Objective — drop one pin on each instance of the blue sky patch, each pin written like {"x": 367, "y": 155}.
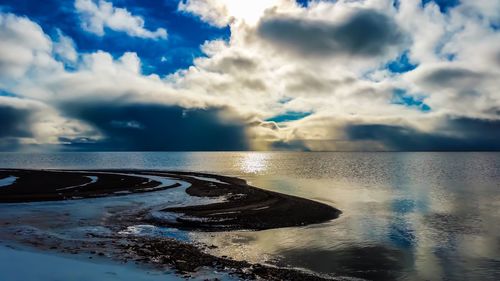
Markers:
{"x": 451, "y": 57}
{"x": 395, "y": 4}
{"x": 401, "y": 97}
{"x": 402, "y": 64}
{"x": 185, "y": 33}
{"x": 4, "y": 93}
{"x": 303, "y": 3}
{"x": 289, "y": 116}
{"x": 444, "y": 5}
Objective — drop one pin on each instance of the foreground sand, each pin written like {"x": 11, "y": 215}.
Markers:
{"x": 234, "y": 205}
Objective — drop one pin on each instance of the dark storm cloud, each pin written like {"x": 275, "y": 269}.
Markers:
{"x": 459, "y": 134}
{"x": 9, "y": 144}
{"x": 149, "y": 127}
{"x": 295, "y": 145}
{"x": 15, "y": 123}
{"x": 366, "y": 33}
{"x": 228, "y": 64}
{"x": 449, "y": 76}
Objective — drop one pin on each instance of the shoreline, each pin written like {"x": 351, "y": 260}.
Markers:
{"x": 233, "y": 205}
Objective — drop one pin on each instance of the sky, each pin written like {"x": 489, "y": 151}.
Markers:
{"x": 211, "y": 75}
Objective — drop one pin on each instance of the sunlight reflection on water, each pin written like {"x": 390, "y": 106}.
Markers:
{"x": 254, "y": 163}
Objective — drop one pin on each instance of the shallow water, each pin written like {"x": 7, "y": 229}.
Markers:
{"x": 7, "y": 181}
{"x": 406, "y": 216}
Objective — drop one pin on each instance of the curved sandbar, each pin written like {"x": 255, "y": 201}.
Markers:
{"x": 238, "y": 206}
{"x": 54, "y": 185}
{"x": 241, "y": 206}
{"x": 244, "y": 207}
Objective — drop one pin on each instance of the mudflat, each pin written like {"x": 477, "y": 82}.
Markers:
{"x": 235, "y": 205}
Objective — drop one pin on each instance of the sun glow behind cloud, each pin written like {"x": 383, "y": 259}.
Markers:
{"x": 225, "y": 12}
{"x": 248, "y": 11}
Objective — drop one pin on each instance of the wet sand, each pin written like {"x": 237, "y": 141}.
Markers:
{"x": 238, "y": 206}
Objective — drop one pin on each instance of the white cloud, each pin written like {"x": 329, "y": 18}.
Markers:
{"x": 32, "y": 70}
{"x": 64, "y": 47}
{"x": 255, "y": 77}
{"x": 96, "y": 17}
{"x": 23, "y": 43}
{"x": 211, "y": 11}
{"x": 335, "y": 87}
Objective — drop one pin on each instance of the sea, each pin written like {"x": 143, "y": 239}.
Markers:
{"x": 405, "y": 215}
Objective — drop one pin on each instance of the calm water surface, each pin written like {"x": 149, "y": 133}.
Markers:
{"x": 406, "y": 216}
